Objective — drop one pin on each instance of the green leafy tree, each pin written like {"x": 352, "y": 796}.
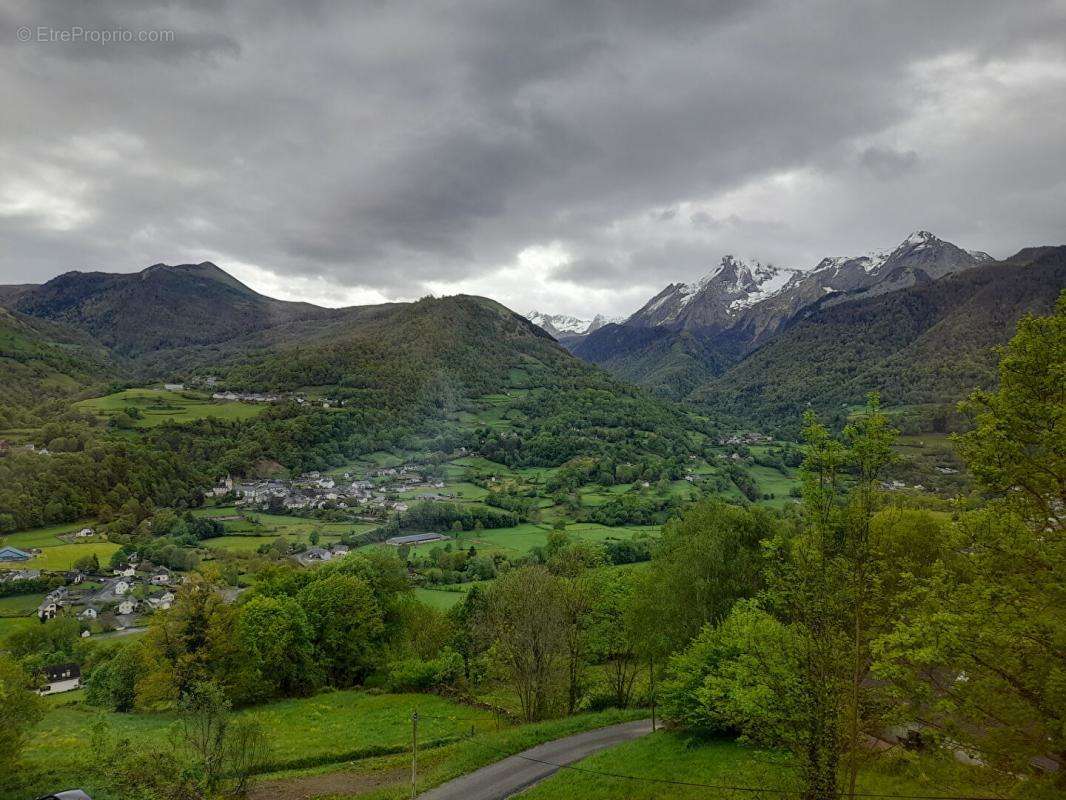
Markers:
{"x": 277, "y": 637}
{"x": 527, "y": 622}
{"x": 346, "y": 626}
{"x": 986, "y": 645}
{"x": 20, "y": 710}
{"x": 705, "y": 561}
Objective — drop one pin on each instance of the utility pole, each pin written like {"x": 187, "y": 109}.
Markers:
{"x": 652, "y": 669}
{"x": 414, "y": 753}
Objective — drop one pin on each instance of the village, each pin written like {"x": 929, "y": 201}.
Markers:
{"x": 370, "y": 496}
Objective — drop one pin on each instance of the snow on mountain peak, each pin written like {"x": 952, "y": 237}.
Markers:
{"x": 564, "y": 323}
{"x": 919, "y": 238}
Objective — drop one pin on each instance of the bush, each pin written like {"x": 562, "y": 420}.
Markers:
{"x": 416, "y": 674}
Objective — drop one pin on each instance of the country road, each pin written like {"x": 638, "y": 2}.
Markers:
{"x": 520, "y": 771}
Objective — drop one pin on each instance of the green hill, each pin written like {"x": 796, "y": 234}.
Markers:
{"x": 40, "y": 360}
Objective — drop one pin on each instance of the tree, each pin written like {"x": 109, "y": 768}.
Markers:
{"x": 527, "y": 622}
{"x": 113, "y": 683}
{"x": 20, "y": 710}
{"x": 612, "y": 640}
{"x": 789, "y": 668}
{"x": 225, "y": 750}
{"x": 346, "y": 626}
{"x": 277, "y": 637}
{"x": 985, "y": 643}
{"x": 1017, "y": 447}
{"x": 704, "y": 562}
{"x": 89, "y": 564}
{"x": 193, "y": 642}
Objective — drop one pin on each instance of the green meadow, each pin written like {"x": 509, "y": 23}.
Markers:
{"x": 330, "y": 727}
{"x": 157, "y": 406}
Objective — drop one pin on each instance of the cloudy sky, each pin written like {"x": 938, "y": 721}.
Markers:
{"x": 569, "y": 156}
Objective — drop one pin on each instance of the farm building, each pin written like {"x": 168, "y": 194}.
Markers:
{"x": 13, "y": 554}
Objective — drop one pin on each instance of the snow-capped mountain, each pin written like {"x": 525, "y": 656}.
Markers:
{"x": 559, "y": 324}
{"x": 569, "y": 331}
{"x": 761, "y": 296}
{"x": 716, "y": 299}
{"x": 919, "y": 258}
{"x": 738, "y": 306}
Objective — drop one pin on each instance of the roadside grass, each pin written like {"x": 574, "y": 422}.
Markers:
{"x": 675, "y": 758}
{"x": 442, "y": 764}
{"x": 159, "y": 405}
{"x": 328, "y": 728}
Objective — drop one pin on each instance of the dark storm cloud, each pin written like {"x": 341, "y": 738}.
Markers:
{"x": 383, "y": 148}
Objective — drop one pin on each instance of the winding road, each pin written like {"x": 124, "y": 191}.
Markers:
{"x": 520, "y": 771}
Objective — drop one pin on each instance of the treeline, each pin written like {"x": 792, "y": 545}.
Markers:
{"x": 614, "y": 425}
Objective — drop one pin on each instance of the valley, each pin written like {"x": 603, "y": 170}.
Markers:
{"x": 360, "y": 504}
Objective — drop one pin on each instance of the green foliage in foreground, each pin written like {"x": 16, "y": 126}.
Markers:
{"x": 328, "y": 728}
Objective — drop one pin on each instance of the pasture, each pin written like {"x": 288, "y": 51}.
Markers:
{"x": 61, "y": 556}
{"x": 327, "y": 728}
{"x": 156, "y": 406}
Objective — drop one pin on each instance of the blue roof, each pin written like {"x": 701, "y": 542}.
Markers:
{"x": 13, "y": 554}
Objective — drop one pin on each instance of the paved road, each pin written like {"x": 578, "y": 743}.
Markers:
{"x": 513, "y": 774}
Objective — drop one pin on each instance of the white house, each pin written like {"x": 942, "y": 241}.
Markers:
{"x": 89, "y": 613}
{"x": 127, "y": 606}
{"x": 84, "y": 532}
{"x": 121, "y": 587}
{"x": 62, "y": 678}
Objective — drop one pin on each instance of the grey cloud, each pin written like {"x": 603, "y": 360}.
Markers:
{"x": 886, "y": 163}
{"x": 385, "y": 145}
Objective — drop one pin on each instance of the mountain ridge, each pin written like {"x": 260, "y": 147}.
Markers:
{"x": 738, "y": 306}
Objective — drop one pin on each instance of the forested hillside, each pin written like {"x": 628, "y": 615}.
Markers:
{"x": 41, "y": 361}
{"x": 345, "y": 383}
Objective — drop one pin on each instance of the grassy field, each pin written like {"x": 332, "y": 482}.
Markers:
{"x": 8, "y": 625}
{"x": 674, "y": 758}
{"x": 20, "y": 605}
{"x": 63, "y": 556}
{"x": 438, "y": 598}
{"x": 330, "y": 727}
{"x": 44, "y": 537}
{"x": 157, "y": 406}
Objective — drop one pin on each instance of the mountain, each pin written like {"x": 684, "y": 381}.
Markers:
{"x": 393, "y": 360}
{"x": 157, "y": 308}
{"x": 566, "y": 329}
{"x": 925, "y": 345}
{"x": 688, "y": 333}
{"x": 716, "y": 300}
{"x": 559, "y": 324}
